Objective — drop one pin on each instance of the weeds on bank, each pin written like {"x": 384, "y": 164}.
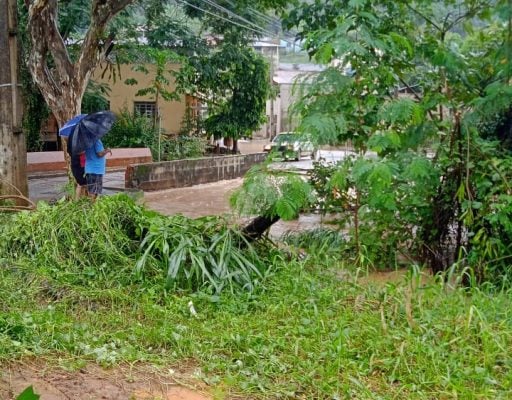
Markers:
{"x": 114, "y": 240}
{"x": 307, "y": 332}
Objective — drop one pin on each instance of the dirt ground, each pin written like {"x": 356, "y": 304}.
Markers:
{"x": 95, "y": 383}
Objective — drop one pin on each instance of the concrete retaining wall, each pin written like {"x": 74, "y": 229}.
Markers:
{"x": 182, "y": 173}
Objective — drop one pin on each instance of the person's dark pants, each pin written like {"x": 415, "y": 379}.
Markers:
{"x": 94, "y": 183}
{"x": 78, "y": 171}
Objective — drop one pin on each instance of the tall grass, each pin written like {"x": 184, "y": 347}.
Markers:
{"x": 83, "y": 241}
{"x": 202, "y": 254}
{"x": 318, "y": 242}
{"x": 80, "y": 240}
{"x": 306, "y": 335}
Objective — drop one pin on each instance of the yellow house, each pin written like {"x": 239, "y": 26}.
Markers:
{"x": 123, "y": 96}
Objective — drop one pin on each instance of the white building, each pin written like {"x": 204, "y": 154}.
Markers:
{"x": 285, "y": 80}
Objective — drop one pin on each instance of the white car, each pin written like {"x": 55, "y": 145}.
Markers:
{"x": 291, "y": 146}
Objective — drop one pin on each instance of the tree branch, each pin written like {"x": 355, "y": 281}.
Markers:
{"x": 471, "y": 12}
{"x": 93, "y": 48}
{"x": 43, "y": 19}
{"x": 430, "y": 21}
{"x": 45, "y": 39}
{"x": 416, "y": 96}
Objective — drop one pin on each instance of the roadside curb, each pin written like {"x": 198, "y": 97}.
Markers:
{"x": 55, "y": 174}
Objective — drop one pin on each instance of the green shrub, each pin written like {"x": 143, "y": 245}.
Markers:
{"x": 131, "y": 130}
{"x": 319, "y": 242}
{"x": 78, "y": 241}
{"x": 181, "y": 147}
{"x": 202, "y": 254}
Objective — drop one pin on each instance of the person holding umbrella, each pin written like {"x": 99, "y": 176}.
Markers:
{"x": 77, "y": 161}
{"x": 86, "y": 138}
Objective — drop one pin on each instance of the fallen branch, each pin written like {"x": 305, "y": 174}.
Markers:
{"x": 18, "y": 198}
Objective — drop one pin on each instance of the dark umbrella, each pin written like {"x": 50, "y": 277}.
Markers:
{"x": 90, "y": 129}
{"x": 69, "y": 126}
{"x": 68, "y": 130}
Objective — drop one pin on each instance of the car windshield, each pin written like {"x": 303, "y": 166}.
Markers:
{"x": 285, "y": 137}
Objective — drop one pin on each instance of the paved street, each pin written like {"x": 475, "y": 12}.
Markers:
{"x": 52, "y": 187}
{"x": 305, "y": 164}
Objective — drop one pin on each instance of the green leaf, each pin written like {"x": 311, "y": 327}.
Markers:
{"x": 325, "y": 53}
{"x": 380, "y": 175}
{"x": 131, "y": 81}
{"x": 28, "y": 394}
{"x": 357, "y": 3}
{"x": 339, "y": 180}
{"x": 403, "y": 111}
{"x": 141, "y": 68}
{"x": 384, "y": 141}
{"x": 286, "y": 209}
{"x": 419, "y": 168}
{"x": 322, "y": 126}
{"x": 360, "y": 171}
{"x": 402, "y": 42}
{"x": 461, "y": 192}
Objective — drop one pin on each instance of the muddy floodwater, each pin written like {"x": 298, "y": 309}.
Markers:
{"x": 213, "y": 199}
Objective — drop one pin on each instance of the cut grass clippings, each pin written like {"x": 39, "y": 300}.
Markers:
{"x": 115, "y": 241}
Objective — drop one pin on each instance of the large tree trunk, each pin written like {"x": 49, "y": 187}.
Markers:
{"x": 13, "y": 154}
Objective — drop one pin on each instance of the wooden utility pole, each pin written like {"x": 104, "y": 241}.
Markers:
{"x": 13, "y": 150}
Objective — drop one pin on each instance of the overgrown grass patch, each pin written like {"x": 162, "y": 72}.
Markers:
{"x": 310, "y": 329}
{"x": 305, "y": 335}
{"x": 116, "y": 242}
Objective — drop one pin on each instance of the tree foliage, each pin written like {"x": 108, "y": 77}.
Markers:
{"x": 426, "y": 86}
{"x": 272, "y": 193}
{"x": 62, "y": 75}
{"x": 233, "y": 81}
{"x": 66, "y": 46}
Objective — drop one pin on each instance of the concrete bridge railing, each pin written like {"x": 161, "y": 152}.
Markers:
{"x": 182, "y": 173}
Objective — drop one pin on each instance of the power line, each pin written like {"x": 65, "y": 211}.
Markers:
{"x": 253, "y": 10}
{"x": 229, "y": 12}
{"x": 270, "y": 20}
{"x": 221, "y": 17}
{"x": 267, "y": 18}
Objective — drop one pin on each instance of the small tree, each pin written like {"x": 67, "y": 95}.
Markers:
{"x": 161, "y": 79}
{"x": 159, "y": 85}
{"x": 233, "y": 81}
{"x": 436, "y": 182}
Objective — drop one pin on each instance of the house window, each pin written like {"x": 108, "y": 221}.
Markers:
{"x": 145, "y": 108}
